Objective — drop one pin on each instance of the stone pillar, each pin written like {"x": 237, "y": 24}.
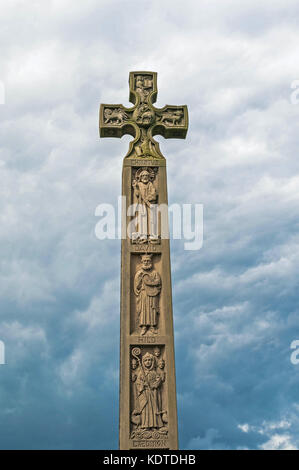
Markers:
{"x": 147, "y": 409}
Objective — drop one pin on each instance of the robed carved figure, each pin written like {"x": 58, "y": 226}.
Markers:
{"x": 145, "y": 196}
{"x": 148, "y": 385}
{"x": 147, "y": 287}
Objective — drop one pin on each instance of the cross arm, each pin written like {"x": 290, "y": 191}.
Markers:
{"x": 115, "y": 121}
{"x": 171, "y": 122}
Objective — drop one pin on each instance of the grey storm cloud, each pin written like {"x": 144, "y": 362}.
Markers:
{"x": 235, "y": 300}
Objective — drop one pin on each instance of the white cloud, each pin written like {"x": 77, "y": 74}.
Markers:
{"x": 279, "y": 442}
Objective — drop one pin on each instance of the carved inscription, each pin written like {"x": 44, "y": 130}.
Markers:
{"x": 151, "y": 444}
{"x": 140, "y": 248}
{"x": 144, "y": 162}
{"x": 146, "y": 340}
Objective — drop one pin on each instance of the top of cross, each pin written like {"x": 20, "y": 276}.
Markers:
{"x": 143, "y": 120}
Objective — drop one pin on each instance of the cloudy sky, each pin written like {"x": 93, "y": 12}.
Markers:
{"x": 235, "y": 300}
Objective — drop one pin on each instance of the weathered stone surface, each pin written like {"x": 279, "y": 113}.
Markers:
{"x": 147, "y": 407}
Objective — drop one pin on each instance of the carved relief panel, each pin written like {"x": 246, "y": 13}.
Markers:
{"x": 145, "y": 199}
{"x": 148, "y": 403}
{"x": 147, "y": 286}
{"x": 143, "y": 85}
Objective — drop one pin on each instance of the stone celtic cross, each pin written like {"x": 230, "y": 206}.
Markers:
{"x": 147, "y": 406}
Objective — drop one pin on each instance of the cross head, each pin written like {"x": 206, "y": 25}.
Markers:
{"x": 143, "y": 121}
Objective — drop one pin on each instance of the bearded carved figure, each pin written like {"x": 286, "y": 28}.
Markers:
{"x": 147, "y": 288}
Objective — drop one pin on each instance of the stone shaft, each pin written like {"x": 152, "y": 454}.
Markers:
{"x": 138, "y": 429}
